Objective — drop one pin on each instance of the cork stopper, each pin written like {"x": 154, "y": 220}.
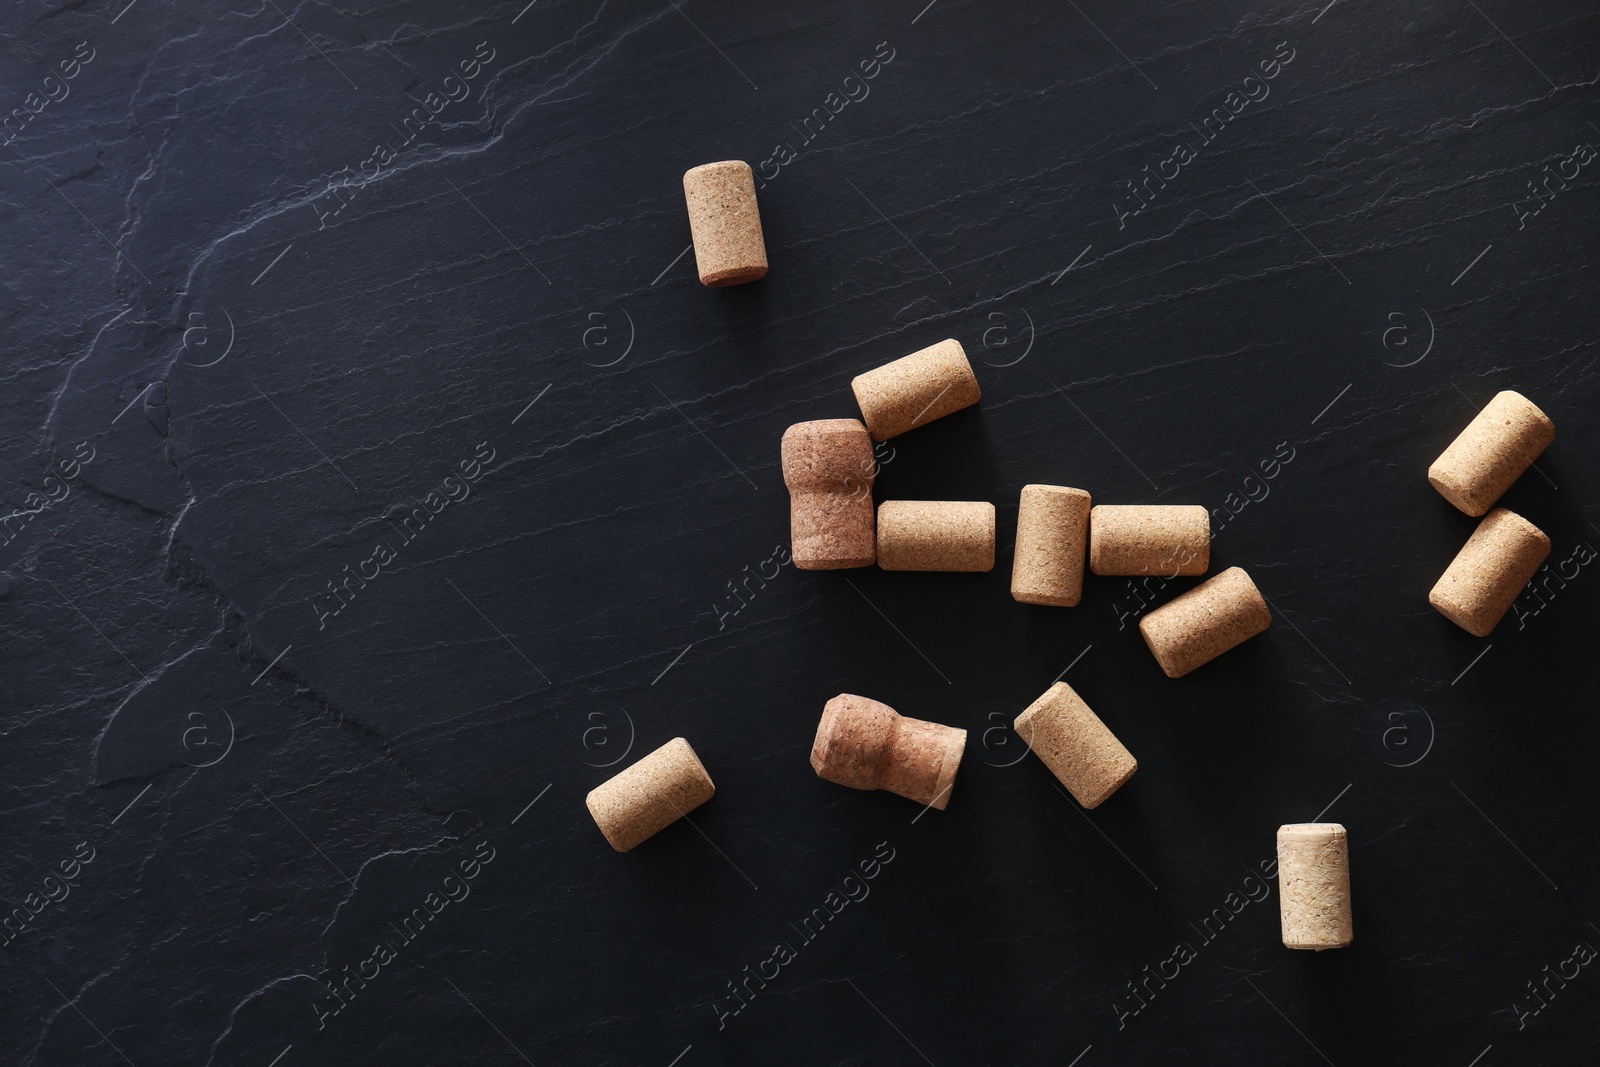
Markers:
{"x": 1492, "y": 452}
{"x": 828, "y": 468}
{"x": 1071, "y": 740}
{"x": 867, "y": 745}
{"x": 1052, "y": 529}
{"x": 936, "y": 535}
{"x": 650, "y": 795}
{"x": 1479, "y": 586}
{"x": 1164, "y": 539}
{"x": 1218, "y": 614}
{"x": 725, "y": 223}
{"x": 914, "y": 390}
{"x": 1314, "y": 885}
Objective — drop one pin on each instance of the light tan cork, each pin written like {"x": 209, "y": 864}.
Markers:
{"x": 1165, "y": 539}
{"x": 650, "y": 795}
{"x": 1077, "y": 747}
{"x": 1052, "y": 528}
{"x": 1314, "y": 885}
{"x": 1479, "y": 586}
{"x": 914, "y": 390}
{"x": 1495, "y": 448}
{"x": 828, "y": 468}
{"x": 1218, "y": 614}
{"x": 725, "y": 223}
{"x": 867, "y": 745}
{"x": 936, "y": 535}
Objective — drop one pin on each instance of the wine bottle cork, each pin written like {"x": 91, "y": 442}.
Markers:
{"x": 1165, "y": 539}
{"x": 1080, "y": 751}
{"x": 1479, "y": 586}
{"x": 828, "y": 467}
{"x": 1314, "y": 885}
{"x": 725, "y": 223}
{"x": 914, "y": 390}
{"x": 936, "y": 535}
{"x": 1052, "y": 529}
{"x": 1492, "y": 452}
{"x": 650, "y": 795}
{"x": 867, "y": 745}
{"x": 1218, "y": 614}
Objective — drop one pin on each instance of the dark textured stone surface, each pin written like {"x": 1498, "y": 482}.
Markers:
{"x": 267, "y": 388}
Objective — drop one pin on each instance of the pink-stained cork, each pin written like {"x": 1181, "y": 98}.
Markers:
{"x": 1483, "y": 581}
{"x": 650, "y": 795}
{"x": 867, "y": 745}
{"x": 1314, "y": 885}
{"x": 1492, "y": 452}
{"x": 936, "y": 535}
{"x": 1163, "y": 539}
{"x": 828, "y": 468}
{"x": 725, "y": 223}
{"x": 1220, "y": 613}
{"x": 914, "y": 390}
{"x": 1052, "y": 529}
{"x": 1083, "y": 754}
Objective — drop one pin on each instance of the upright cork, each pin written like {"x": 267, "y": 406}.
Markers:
{"x": 1071, "y": 740}
{"x": 1052, "y": 528}
{"x": 1495, "y": 448}
{"x": 936, "y": 535}
{"x": 650, "y": 795}
{"x": 1218, "y": 614}
{"x": 867, "y": 745}
{"x": 725, "y": 223}
{"x": 914, "y": 390}
{"x": 828, "y": 468}
{"x": 1314, "y": 885}
{"x": 1164, "y": 539}
{"x": 1479, "y": 586}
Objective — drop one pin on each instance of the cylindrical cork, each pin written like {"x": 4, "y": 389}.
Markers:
{"x": 914, "y": 390}
{"x": 650, "y": 795}
{"x": 1223, "y": 611}
{"x": 828, "y": 468}
{"x": 1164, "y": 539}
{"x": 1052, "y": 528}
{"x": 1314, "y": 885}
{"x": 1478, "y": 587}
{"x": 1077, "y": 747}
{"x": 1490, "y": 454}
{"x": 936, "y": 535}
{"x": 867, "y": 745}
{"x": 725, "y": 223}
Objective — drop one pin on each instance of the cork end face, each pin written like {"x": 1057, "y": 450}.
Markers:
{"x": 1442, "y": 480}
{"x": 945, "y": 782}
{"x": 733, "y": 276}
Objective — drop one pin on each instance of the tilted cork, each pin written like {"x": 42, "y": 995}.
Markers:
{"x": 1218, "y": 614}
{"x": 1314, "y": 885}
{"x": 725, "y": 223}
{"x": 1479, "y": 586}
{"x": 867, "y": 745}
{"x": 1164, "y": 539}
{"x": 650, "y": 795}
{"x": 936, "y": 535}
{"x": 1052, "y": 529}
{"x": 1078, "y": 748}
{"x": 1495, "y": 448}
{"x": 914, "y": 390}
{"x": 828, "y": 468}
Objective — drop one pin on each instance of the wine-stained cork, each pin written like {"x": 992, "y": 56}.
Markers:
{"x": 828, "y": 468}
{"x": 936, "y": 535}
{"x": 916, "y": 389}
{"x": 1223, "y": 611}
{"x": 725, "y": 223}
{"x": 1478, "y": 587}
{"x": 867, "y": 745}
{"x": 650, "y": 795}
{"x": 1071, "y": 740}
{"x": 1495, "y": 448}
{"x": 1052, "y": 528}
{"x": 1314, "y": 885}
{"x": 1164, "y": 539}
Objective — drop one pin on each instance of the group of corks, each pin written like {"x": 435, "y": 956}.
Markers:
{"x": 835, "y": 525}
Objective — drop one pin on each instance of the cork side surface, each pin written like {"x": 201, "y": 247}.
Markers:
{"x": 1492, "y": 452}
{"x": 1052, "y": 532}
{"x": 1080, "y": 750}
{"x": 914, "y": 390}
{"x": 725, "y": 223}
{"x": 1221, "y": 613}
{"x": 1163, "y": 539}
{"x": 1484, "y": 579}
{"x": 650, "y": 795}
{"x": 936, "y": 535}
{"x": 853, "y": 740}
{"x": 1314, "y": 886}
{"x": 923, "y": 760}
{"x": 828, "y": 468}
